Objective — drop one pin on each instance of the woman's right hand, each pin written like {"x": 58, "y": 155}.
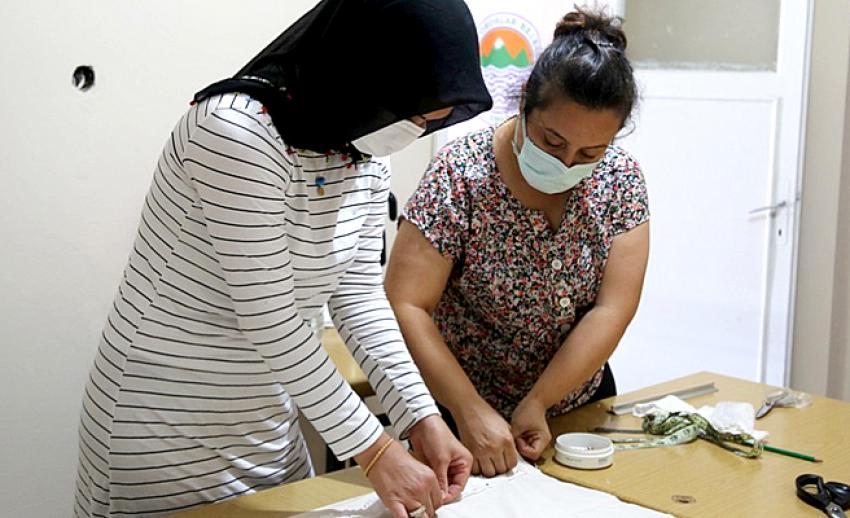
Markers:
{"x": 402, "y": 482}
{"x": 488, "y": 437}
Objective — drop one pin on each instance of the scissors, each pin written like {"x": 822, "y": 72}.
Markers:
{"x": 831, "y": 497}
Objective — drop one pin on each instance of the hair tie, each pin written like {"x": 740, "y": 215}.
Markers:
{"x": 602, "y": 44}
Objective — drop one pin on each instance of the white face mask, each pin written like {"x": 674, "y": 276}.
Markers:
{"x": 543, "y": 171}
{"x": 389, "y": 139}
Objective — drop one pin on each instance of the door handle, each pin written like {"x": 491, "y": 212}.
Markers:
{"x": 770, "y": 208}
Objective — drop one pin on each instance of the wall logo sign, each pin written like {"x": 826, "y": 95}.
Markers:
{"x": 509, "y": 46}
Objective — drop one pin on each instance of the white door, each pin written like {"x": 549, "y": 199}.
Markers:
{"x": 720, "y": 145}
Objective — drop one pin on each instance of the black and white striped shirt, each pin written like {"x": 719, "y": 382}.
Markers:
{"x": 207, "y": 352}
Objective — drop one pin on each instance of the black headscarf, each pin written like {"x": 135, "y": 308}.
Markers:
{"x": 350, "y": 67}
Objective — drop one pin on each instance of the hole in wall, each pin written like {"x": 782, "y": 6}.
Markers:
{"x": 83, "y": 78}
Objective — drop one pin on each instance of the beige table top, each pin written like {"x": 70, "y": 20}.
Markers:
{"x": 345, "y": 363}
{"x": 720, "y": 483}
{"x": 290, "y": 499}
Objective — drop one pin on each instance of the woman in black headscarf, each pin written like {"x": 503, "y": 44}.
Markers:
{"x": 265, "y": 206}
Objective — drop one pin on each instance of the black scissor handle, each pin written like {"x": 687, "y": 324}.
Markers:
{"x": 820, "y": 498}
{"x": 840, "y": 493}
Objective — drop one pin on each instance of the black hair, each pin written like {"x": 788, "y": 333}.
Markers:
{"x": 585, "y": 63}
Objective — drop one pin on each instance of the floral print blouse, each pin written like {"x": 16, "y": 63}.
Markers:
{"x": 518, "y": 287}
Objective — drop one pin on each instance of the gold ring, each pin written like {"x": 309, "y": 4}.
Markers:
{"x": 418, "y": 512}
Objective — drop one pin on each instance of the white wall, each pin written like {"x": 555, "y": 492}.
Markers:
{"x": 839, "y": 373}
{"x": 840, "y": 364}
{"x": 408, "y": 166}
{"x": 76, "y": 167}
{"x": 821, "y": 355}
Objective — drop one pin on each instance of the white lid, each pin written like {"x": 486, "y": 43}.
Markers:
{"x": 584, "y": 450}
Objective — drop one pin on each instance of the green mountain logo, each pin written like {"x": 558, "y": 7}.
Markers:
{"x": 499, "y": 57}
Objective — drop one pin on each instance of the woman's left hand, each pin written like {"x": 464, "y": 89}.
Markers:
{"x": 435, "y": 445}
{"x": 530, "y": 429}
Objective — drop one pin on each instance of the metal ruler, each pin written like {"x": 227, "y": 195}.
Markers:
{"x": 685, "y": 393}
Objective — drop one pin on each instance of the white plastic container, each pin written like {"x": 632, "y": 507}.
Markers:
{"x": 584, "y": 451}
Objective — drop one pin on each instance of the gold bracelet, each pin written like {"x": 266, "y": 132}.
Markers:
{"x": 376, "y": 457}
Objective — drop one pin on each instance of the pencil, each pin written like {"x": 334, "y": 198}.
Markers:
{"x": 790, "y": 453}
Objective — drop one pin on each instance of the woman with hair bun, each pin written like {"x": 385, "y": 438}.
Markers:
{"x": 520, "y": 259}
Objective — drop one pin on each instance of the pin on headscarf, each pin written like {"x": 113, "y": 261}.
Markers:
{"x": 348, "y": 68}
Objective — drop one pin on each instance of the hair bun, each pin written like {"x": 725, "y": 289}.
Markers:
{"x": 571, "y": 23}
{"x": 594, "y": 25}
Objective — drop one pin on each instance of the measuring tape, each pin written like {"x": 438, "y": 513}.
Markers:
{"x": 680, "y": 428}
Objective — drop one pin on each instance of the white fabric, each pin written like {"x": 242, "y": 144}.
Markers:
{"x": 524, "y": 492}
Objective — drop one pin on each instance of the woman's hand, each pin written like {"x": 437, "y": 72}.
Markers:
{"x": 403, "y": 483}
{"x": 488, "y": 436}
{"x": 530, "y": 429}
{"x": 435, "y": 445}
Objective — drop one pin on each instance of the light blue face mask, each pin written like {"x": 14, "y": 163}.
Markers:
{"x": 545, "y": 172}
